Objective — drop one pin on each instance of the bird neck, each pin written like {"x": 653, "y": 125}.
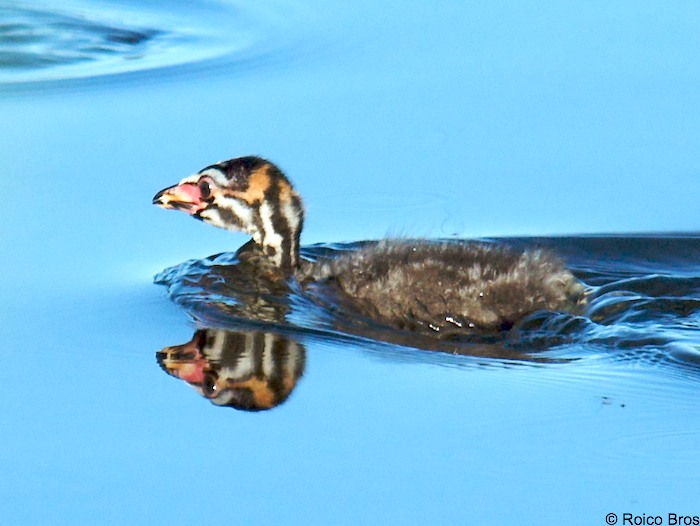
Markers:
{"x": 277, "y": 233}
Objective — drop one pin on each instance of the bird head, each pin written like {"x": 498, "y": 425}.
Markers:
{"x": 249, "y": 370}
{"x": 246, "y": 194}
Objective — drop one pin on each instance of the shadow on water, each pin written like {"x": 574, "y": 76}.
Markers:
{"x": 643, "y": 307}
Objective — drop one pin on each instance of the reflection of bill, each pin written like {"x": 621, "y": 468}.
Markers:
{"x": 249, "y": 370}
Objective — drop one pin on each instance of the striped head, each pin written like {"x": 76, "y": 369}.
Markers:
{"x": 248, "y": 370}
{"x": 246, "y": 194}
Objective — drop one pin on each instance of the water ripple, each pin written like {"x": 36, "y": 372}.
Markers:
{"x": 74, "y": 40}
{"x": 634, "y": 318}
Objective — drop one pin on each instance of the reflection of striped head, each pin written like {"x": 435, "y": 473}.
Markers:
{"x": 246, "y": 370}
{"x": 247, "y": 194}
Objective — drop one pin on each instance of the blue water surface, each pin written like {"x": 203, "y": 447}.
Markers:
{"x": 443, "y": 119}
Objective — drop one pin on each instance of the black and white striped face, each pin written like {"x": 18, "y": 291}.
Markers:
{"x": 247, "y": 194}
{"x": 249, "y": 370}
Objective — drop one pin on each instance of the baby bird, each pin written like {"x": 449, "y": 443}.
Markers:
{"x": 434, "y": 287}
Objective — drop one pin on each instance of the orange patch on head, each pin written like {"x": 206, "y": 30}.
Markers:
{"x": 262, "y": 392}
{"x": 289, "y": 382}
{"x": 285, "y": 191}
{"x": 258, "y": 184}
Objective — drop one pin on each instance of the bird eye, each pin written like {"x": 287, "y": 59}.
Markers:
{"x": 204, "y": 188}
{"x": 209, "y": 385}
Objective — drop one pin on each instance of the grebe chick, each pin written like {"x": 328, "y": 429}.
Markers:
{"x": 419, "y": 285}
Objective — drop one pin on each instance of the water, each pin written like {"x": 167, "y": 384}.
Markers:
{"x": 455, "y": 120}
{"x": 79, "y": 41}
{"x": 252, "y": 331}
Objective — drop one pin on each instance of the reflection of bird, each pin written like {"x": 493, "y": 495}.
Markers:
{"x": 247, "y": 370}
{"x": 418, "y": 285}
